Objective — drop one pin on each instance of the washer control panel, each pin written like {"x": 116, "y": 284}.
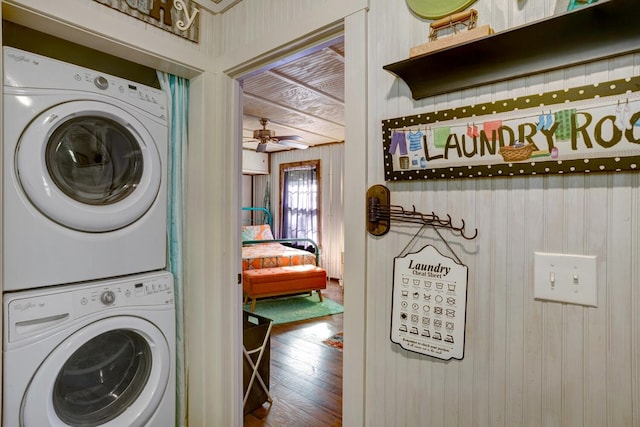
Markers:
{"x": 31, "y": 313}
{"x": 146, "y": 292}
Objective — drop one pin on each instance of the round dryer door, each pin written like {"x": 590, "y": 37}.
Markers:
{"x": 105, "y": 374}
{"x": 89, "y": 165}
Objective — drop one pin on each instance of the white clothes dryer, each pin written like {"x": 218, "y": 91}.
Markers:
{"x": 97, "y": 354}
{"x": 85, "y": 165}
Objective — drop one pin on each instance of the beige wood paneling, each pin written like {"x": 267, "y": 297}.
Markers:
{"x": 259, "y": 29}
{"x": 527, "y": 362}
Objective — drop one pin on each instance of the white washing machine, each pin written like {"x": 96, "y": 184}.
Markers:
{"x": 98, "y": 354}
{"x": 85, "y": 164}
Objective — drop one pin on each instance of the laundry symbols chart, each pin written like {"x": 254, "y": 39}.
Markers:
{"x": 429, "y": 304}
{"x": 593, "y": 128}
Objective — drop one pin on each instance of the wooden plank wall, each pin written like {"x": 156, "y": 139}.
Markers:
{"x": 527, "y": 362}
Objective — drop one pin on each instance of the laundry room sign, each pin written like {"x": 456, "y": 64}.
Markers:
{"x": 180, "y": 17}
{"x": 594, "y": 128}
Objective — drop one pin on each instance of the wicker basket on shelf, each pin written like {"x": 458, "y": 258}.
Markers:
{"x": 512, "y": 153}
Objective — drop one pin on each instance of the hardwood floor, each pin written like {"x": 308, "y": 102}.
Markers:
{"x": 306, "y": 375}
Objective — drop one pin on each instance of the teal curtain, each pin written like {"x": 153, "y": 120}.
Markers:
{"x": 573, "y": 4}
{"x": 266, "y": 203}
{"x": 177, "y": 89}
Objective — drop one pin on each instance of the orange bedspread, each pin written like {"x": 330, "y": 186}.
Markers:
{"x": 267, "y": 255}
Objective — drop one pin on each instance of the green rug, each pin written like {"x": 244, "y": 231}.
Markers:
{"x": 294, "y": 308}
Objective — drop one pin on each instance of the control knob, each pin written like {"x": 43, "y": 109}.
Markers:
{"x": 108, "y": 297}
{"x": 101, "y": 82}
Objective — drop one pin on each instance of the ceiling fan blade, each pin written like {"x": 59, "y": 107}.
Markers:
{"x": 265, "y": 135}
{"x": 289, "y": 138}
{"x": 293, "y": 144}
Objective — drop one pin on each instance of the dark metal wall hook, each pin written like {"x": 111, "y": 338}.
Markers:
{"x": 380, "y": 213}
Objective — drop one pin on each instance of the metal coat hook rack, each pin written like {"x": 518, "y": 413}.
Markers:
{"x": 380, "y": 213}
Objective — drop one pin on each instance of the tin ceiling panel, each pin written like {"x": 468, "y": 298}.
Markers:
{"x": 322, "y": 70}
{"x": 296, "y": 96}
{"x": 303, "y": 96}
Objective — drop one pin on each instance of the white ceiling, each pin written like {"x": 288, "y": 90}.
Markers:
{"x": 302, "y": 95}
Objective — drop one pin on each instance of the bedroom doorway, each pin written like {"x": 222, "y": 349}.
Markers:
{"x": 306, "y": 371}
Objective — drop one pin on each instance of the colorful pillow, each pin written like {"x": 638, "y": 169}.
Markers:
{"x": 256, "y": 232}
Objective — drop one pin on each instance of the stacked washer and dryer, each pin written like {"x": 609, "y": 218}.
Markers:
{"x": 89, "y": 318}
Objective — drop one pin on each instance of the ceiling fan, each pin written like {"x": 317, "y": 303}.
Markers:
{"x": 265, "y": 135}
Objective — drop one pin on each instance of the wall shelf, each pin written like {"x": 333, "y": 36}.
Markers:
{"x": 602, "y": 30}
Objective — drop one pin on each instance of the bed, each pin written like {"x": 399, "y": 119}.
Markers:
{"x": 273, "y": 267}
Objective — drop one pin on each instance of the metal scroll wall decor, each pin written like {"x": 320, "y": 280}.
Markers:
{"x": 180, "y": 17}
{"x": 586, "y": 129}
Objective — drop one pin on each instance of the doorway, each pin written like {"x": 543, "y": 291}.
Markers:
{"x": 299, "y": 103}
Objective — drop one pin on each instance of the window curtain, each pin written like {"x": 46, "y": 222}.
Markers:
{"x": 300, "y": 204}
{"x": 177, "y": 89}
{"x": 266, "y": 203}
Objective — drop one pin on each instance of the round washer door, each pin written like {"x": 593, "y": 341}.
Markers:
{"x": 89, "y": 166}
{"x": 112, "y": 372}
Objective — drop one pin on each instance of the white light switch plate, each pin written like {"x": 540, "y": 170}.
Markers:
{"x": 565, "y": 278}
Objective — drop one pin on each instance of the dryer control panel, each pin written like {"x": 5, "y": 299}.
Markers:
{"x": 29, "y": 70}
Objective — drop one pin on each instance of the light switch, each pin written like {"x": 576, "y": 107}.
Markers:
{"x": 565, "y": 278}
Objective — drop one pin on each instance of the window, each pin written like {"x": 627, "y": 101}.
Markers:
{"x": 300, "y": 192}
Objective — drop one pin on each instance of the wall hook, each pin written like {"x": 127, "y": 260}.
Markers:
{"x": 380, "y": 213}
